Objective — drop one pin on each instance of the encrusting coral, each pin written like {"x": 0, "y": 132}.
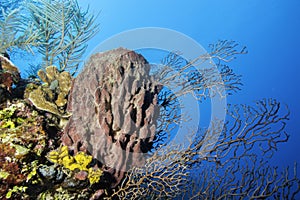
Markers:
{"x": 52, "y": 95}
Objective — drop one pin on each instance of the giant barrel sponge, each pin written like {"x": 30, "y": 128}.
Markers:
{"x": 114, "y": 109}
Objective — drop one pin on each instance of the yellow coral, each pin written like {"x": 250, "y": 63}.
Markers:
{"x": 51, "y": 73}
{"x": 67, "y": 161}
{"x": 73, "y": 166}
{"x": 65, "y": 81}
{"x": 83, "y": 159}
{"x": 42, "y": 76}
{"x": 8, "y": 124}
{"x": 8, "y": 112}
{"x": 61, "y": 156}
{"x": 61, "y": 101}
{"x": 79, "y": 161}
{"x": 94, "y": 175}
{"x": 64, "y": 151}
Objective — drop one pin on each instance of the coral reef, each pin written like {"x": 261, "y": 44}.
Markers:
{"x": 52, "y": 95}
{"x": 10, "y": 172}
{"x": 22, "y": 138}
{"x": 22, "y": 129}
{"x": 120, "y": 97}
{"x": 101, "y": 152}
{"x": 92, "y": 154}
{"x": 80, "y": 162}
{"x": 27, "y": 172}
{"x": 9, "y": 75}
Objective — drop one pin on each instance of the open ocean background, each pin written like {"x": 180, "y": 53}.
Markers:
{"x": 270, "y": 29}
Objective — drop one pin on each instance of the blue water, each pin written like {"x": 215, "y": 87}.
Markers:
{"x": 269, "y": 29}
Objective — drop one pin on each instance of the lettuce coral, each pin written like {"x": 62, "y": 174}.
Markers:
{"x": 52, "y": 95}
